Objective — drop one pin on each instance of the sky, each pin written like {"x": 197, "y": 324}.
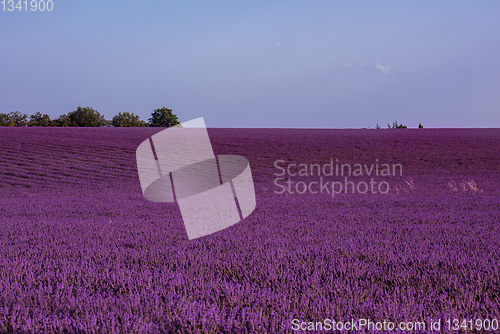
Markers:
{"x": 272, "y": 64}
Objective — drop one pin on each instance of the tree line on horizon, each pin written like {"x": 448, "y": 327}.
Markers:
{"x": 89, "y": 117}
{"x": 395, "y": 125}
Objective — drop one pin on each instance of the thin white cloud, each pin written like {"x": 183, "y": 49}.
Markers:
{"x": 278, "y": 41}
{"x": 383, "y": 69}
{"x": 379, "y": 67}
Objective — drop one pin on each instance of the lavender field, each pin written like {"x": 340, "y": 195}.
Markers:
{"x": 81, "y": 250}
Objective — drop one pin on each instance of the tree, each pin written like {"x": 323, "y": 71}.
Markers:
{"x": 86, "y": 117}
{"x": 395, "y": 125}
{"x": 14, "y": 118}
{"x": 62, "y": 121}
{"x": 163, "y": 117}
{"x": 5, "y": 120}
{"x": 39, "y": 119}
{"x": 19, "y": 119}
{"x": 420, "y": 126}
{"x": 127, "y": 119}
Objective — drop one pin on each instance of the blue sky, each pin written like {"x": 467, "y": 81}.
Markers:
{"x": 314, "y": 64}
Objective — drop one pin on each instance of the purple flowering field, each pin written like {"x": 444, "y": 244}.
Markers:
{"x": 82, "y": 251}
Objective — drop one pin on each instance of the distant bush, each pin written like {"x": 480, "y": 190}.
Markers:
{"x": 5, "y": 120}
{"x": 420, "y": 126}
{"x": 163, "y": 117}
{"x": 127, "y": 119}
{"x": 39, "y": 119}
{"x": 84, "y": 117}
{"x": 61, "y": 121}
{"x": 14, "y": 118}
{"x": 395, "y": 125}
{"x": 19, "y": 119}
